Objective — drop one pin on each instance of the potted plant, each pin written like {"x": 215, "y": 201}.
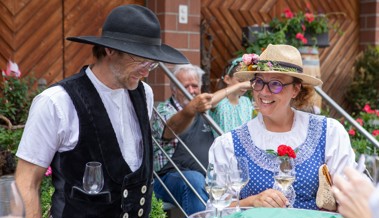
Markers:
{"x": 296, "y": 29}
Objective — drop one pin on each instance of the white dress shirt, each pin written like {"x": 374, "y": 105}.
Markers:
{"x": 53, "y": 124}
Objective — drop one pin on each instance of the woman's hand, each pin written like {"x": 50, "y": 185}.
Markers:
{"x": 267, "y": 198}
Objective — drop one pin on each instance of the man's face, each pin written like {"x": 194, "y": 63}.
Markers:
{"x": 128, "y": 70}
{"x": 191, "y": 83}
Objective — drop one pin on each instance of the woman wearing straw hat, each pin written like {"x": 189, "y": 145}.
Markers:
{"x": 279, "y": 87}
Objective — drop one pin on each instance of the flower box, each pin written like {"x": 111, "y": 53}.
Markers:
{"x": 249, "y": 34}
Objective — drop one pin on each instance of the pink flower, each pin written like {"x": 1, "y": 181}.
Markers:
{"x": 375, "y": 132}
{"x": 303, "y": 27}
{"x": 49, "y": 171}
{"x": 368, "y": 109}
{"x": 309, "y": 17}
{"x": 247, "y": 58}
{"x": 288, "y": 13}
{"x": 360, "y": 121}
{"x": 301, "y": 37}
{"x": 12, "y": 70}
{"x": 351, "y": 132}
{"x": 250, "y": 59}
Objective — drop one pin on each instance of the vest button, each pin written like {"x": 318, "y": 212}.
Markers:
{"x": 140, "y": 212}
{"x": 142, "y": 201}
{"x": 143, "y": 189}
{"x": 125, "y": 193}
{"x": 126, "y": 215}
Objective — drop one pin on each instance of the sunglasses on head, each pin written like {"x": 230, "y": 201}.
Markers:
{"x": 274, "y": 86}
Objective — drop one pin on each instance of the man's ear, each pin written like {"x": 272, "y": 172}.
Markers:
{"x": 109, "y": 51}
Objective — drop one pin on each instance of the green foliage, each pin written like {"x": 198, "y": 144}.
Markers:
{"x": 157, "y": 208}
{"x": 47, "y": 191}
{"x": 291, "y": 29}
{"x": 365, "y": 85}
{"x": 16, "y": 97}
{"x": 9, "y": 139}
{"x": 369, "y": 120}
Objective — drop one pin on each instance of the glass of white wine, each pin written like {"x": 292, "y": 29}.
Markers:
{"x": 284, "y": 181}
{"x": 221, "y": 196}
{"x": 93, "y": 179}
{"x": 372, "y": 167}
{"x": 238, "y": 176}
{"x": 11, "y": 204}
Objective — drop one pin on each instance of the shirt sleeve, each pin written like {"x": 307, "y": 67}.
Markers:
{"x": 44, "y": 131}
{"x": 338, "y": 150}
{"x": 222, "y": 148}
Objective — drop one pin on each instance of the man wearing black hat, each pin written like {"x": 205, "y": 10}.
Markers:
{"x": 100, "y": 114}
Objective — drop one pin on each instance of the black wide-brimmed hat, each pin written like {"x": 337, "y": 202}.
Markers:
{"x": 135, "y": 30}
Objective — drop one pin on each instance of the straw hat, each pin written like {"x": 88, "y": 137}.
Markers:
{"x": 135, "y": 30}
{"x": 280, "y": 59}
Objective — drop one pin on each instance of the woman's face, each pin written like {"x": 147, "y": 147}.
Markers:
{"x": 271, "y": 104}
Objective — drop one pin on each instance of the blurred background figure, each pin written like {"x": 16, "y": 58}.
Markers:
{"x": 231, "y": 108}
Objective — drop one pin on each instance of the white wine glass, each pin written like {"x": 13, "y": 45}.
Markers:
{"x": 284, "y": 181}
{"x": 210, "y": 179}
{"x": 93, "y": 179}
{"x": 238, "y": 176}
{"x": 372, "y": 166}
{"x": 221, "y": 196}
{"x": 11, "y": 204}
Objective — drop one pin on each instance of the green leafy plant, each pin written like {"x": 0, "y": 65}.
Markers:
{"x": 369, "y": 119}
{"x": 296, "y": 29}
{"x": 365, "y": 84}
{"x": 47, "y": 191}
{"x": 157, "y": 208}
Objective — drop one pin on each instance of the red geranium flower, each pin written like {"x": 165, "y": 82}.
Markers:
{"x": 360, "y": 121}
{"x": 288, "y": 13}
{"x": 284, "y": 150}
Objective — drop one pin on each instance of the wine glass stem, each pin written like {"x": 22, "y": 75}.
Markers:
{"x": 238, "y": 209}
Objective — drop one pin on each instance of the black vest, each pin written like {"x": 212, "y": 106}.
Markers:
{"x": 124, "y": 191}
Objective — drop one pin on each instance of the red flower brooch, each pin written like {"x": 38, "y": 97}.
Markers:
{"x": 283, "y": 150}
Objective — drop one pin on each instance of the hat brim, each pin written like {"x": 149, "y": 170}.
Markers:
{"x": 308, "y": 80}
{"x": 163, "y": 52}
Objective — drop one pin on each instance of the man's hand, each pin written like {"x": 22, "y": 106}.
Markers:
{"x": 28, "y": 179}
{"x": 199, "y": 104}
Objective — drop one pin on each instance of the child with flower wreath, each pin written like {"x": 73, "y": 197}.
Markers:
{"x": 234, "y": 109}
{"x": 279, "y": 88}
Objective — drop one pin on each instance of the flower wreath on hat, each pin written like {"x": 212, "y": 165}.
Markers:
{"x": 280, "y": 59}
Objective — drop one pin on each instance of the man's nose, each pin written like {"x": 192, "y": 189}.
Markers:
{"x": 144, "y": 72}
{"x": 191, "y": 89}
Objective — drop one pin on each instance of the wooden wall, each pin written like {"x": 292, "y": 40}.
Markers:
{"x": 33, "y": 32}
{"x": 226, "y": 18}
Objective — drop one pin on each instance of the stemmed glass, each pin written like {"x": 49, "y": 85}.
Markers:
{"x": 372, "y": 166}
{"x": 221, "y": 196}
{"x": 11, "y": 204}
{"x": 284, "y": 177}
{"x": 239, "y": 176}
{"x": 93, "y": 180}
